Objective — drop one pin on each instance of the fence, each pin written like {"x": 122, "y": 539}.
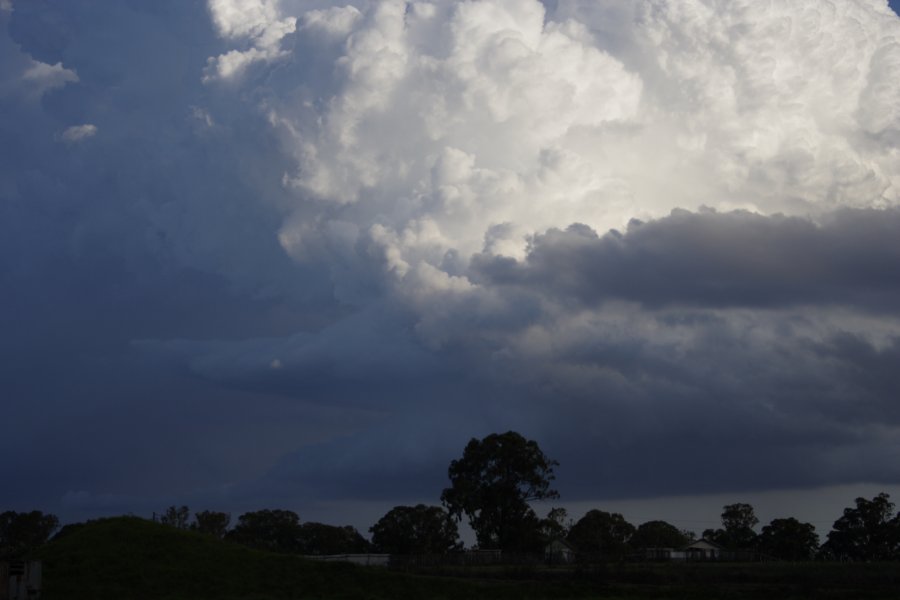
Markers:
{"x": 367, "y": 560}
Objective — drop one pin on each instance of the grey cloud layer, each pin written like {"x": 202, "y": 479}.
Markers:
{"x": 737, "y": 259}
{"x": 631, "y": 355}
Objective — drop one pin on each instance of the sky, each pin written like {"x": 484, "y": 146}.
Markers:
{"x": 295, "y": 254}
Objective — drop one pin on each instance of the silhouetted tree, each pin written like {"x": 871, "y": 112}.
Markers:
{"x": 556, "y": 525}
{"x": 866, "y": 532}
{"x": 416, "y": 529}
{"x": 492, "y": 485}
{"x": 273, "y": 530}
{"x": 21, "y": 533}
{"x": 738, "y": 521}
{"x": 659, "y": 534}
{"x": 319, "y": 538}
{"x": 603, "y": 533}
{"x": 211, "y": 523}
{"x": 788, "y": 539}
{"x": 176, "y": 517}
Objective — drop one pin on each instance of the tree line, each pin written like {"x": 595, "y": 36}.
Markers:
{"x": 493, "y": 486}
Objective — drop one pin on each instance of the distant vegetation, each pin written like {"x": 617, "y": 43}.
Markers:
{"x": 128, "y": 558}
{"x": 493, "y": 484}
{"x": 22, "y": 533}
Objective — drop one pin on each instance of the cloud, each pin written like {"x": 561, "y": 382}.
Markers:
{"x": 448, "y": 123}
{"x": 716, "y": 260}
{"x": 43, "y": 77}
{"x": 458, "y": 110}
{"x": 127, "y": 238}
{"x": 694, "y": 331}
{"x": 77, "y": 133}
{"x": 24, "y": 77}
{"x": 256, "y": 22}
{"x": 651, "y": 235}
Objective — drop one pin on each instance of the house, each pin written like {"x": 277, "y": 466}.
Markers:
{"x": 20, "y": 580}
{"x": 559, "y": 552}
{"x": 661, "y": 554}
{"x": 366, "y": 560}
{"x": 703, "y": 549}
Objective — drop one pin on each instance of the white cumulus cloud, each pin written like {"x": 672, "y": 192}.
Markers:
{"x": 77, "y": 133}
{"x": 449, "y": 127}
{"x": 42, "y": 77}
{"x": 257, "y": 23}
{"x": 450, "y": 118}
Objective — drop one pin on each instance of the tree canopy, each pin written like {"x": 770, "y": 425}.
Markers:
{"x": 416, "y": 529}
{"x": 868, "y": 531}
{"x": 273, "y": 530}
{"x": 319, "y": 538}
{"x": 788, "y": 539}
{"x": 659, "y": 534}
{"x": 600, "y": 532}
{"x": 492, "y": 485}
{"x": 737, "y": 533}
{"x": 20, "y": 533}
{"x": 556, "y": 525}
{"x": 281, "y": 531}
{"x": 176, "y": 516}
{"x": 211, "y": 523}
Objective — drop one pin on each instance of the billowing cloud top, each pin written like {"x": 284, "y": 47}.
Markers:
{"x": 256, "y": 23}
{"x": 359, "y": 233}
{"x": 443, "y": 122}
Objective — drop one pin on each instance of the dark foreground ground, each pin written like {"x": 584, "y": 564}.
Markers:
{"x": 129, "y": 558}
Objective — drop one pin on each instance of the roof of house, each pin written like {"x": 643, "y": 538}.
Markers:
{"x": 703, "y": 543}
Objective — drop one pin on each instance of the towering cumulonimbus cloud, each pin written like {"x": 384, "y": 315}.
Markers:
{"x": 425, "y": 133}
{"x": 449, "y": 119}
{"x": 642, "y": 201}
{"x": 450, "y": 125}
{"x": 319, "y": 244}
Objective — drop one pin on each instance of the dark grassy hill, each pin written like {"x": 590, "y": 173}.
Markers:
{"x": 128, "y": 558}
{"x": 131, "y": 558}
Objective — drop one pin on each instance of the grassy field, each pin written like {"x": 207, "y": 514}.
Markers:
{"x": 130, "y": 558}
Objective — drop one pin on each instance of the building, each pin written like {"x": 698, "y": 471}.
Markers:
{"x": 559, "y": 552}
{"x": 703, "y": 549}
{"x": 20, "y": 580}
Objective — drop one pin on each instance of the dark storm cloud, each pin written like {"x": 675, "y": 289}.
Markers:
{"x": 710, "y": 259}
{"x": 180, "y": 324}
{"x": 706, "y": 403}
{"x": 152, "y": 226}
{"x": 729, "y": 414}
